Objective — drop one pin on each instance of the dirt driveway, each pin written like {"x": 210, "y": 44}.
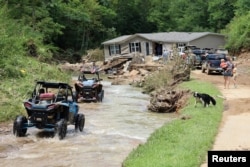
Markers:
{"x": 234, "y": 132}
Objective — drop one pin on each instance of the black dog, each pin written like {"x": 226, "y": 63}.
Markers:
{"x": 203, "y": 98}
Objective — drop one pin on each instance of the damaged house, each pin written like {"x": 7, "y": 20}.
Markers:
{"x": 154, "y": 43}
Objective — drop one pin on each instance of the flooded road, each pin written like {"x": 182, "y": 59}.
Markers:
{"x": 112, "y": 129}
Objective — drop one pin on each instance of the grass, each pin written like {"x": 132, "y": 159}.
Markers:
{"x": 182, "y": 143}
{"x": 14, "y": 90}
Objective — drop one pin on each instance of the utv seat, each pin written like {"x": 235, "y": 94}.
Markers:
{"x": 47, "y": 97}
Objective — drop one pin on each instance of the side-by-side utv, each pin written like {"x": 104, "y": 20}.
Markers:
{"x": 53, "y": 106}
{"x": 89, "y": 87}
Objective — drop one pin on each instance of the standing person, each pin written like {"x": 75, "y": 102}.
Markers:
{"x": 95, "y": 69}
{"x": 223, "y": 65}
{"x": 230, "y": 67}
{"x": 235, "y": 74}
{"x": 165, "y": 56}
{"x": 82, "y": 67}
{"x": 228, "y": 71}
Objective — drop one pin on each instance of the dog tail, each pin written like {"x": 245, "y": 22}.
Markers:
{"x": 213, "y": 100}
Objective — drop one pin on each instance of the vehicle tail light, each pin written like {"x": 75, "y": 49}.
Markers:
{"x": 27, "y": 105}
{"x": 51, "y": 106}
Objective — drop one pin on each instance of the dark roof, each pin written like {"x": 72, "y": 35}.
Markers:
{"x": 53, "y": 84}
{"x": 163, "y": 37}
{"x": 118, "y": 39}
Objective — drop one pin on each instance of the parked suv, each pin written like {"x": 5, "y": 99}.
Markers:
{"x": 199, "y": 57}
{"x": 212, "y": 63}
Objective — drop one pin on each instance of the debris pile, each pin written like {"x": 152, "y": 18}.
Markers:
{"x": 164, "y": 101}
{"x": 130, "y": 70}
{"x": 138, "y": 70}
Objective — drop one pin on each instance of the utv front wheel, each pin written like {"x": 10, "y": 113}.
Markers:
{"x": 61, "y": 129}
{"x": 19, "y": 129}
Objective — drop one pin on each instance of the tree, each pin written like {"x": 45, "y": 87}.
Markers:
{"x": 238, "y": 33}
{"x": 86, "y": 23}
{"x": 35, "y": 13}
{"x": 221, "y": 13}
{"x": 242, "y": 7}
{"x": 15, "y": 40}
{"x": 132, "y": 17}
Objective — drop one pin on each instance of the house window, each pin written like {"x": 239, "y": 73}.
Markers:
{"x": 114, "y": 49}
{"x": 181, "y": 45}
{"x": 135, "y": 47}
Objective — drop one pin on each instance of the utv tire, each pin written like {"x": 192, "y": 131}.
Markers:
{"x": 19, "y": 129}
{"x": 61, "y": 129}
{"x": 76, "y": 123}
{"x": 80, "y": 122}
{"x": 101, "y": 96}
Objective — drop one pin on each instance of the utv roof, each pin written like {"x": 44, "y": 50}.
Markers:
{"x": 89, "y": 72}
{"x": 53, "y": 84}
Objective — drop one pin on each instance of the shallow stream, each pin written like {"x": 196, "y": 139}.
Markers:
{"x": 112, "y": 129}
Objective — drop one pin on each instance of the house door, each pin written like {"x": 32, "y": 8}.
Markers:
{"x": 158, "y": 49}
{"x": 147, "y": 48}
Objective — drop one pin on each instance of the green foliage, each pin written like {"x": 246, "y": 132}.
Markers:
{"x": 36, "y": 14}
{"x": 132, "y": 16}
{"x": 221, "y": 13}
{"x": 83, "y": 25}
{"x": 165, "y": 76}
{"x": 86, "y": 24}
{"x": 238, "y": 33}
{"x": 242, "y": 7}
{"x": 157, "y": 80}
{"x": 18, "y": 86}
{"x": 181, "y": 142}
{"x": 19, "y": 71}
{"x": 189, "y": 15}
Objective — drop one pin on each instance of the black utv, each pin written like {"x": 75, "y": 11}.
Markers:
{"x": 89, "y": 87}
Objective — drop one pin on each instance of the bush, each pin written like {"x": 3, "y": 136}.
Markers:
{"x": 10, "y": 71}
{"x": 238, "y": 33}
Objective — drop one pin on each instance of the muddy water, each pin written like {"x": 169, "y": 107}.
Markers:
{"x": 112, "y": 129}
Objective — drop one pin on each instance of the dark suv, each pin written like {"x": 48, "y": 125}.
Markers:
{"x": 199, "y": 57}
{"x": 212, "y": 63}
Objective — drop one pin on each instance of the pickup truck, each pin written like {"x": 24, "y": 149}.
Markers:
{"x": 212, "y": 63}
